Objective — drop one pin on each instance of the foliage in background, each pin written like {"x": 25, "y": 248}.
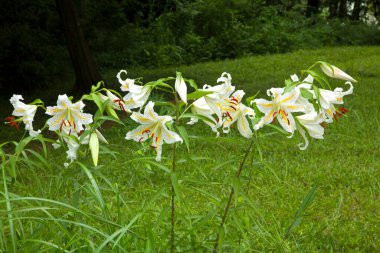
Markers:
{"x": 162, "y": 33}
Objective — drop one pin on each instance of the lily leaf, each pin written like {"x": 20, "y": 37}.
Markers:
{"x": 198, "y": 94}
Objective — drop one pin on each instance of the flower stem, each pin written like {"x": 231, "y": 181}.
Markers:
{"x": 227, "y": 207}
{"x": 172, "y": 201}
{"x": 172, "y": 218}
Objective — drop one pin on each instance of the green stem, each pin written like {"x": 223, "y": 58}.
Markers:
{"x": 172, "y": 220}
{"x": 172, "y": 202}
{"x": 227, "y": 207}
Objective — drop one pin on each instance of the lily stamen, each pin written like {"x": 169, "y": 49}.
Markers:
{"x": 234, "y": 99}
{"x": 13, "y": 123}
{"x": 147, "y": 131}
{"x": 229, "y": 115}
{"x": 342, "y": 111}
{"x": 62, "y": 123}
{"x": 120, "y": 103}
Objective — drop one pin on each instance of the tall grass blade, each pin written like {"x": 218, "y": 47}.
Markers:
{"x": 9, "y": 208}
{"x": 299, "y": 214}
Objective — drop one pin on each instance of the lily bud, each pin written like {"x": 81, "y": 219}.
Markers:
{"x": 335, "y": 72}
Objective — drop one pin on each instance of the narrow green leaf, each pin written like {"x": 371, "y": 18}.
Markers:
{"x": 174, "y": 180}
{"x": 319, "y": 78}
{"x": 98, "y": 102}
{"x": 37, "y": 101}
{"x": 198, "y": 94}
{"x": 307, "y": 201}
{"x": 111, "y": 112}
{"x": 279, "y": 129}
{"x": 197, "y": 116}
{"x": 192, "y": 83}
{"x": 97, "y": 86}
{"x": 12, "y": 230}
{"x": 185, "y": 137}
{"x": 158, "y": 165}
{"x": 21, "y": 145}
{"x": 306, "y": 94}
{"x": 251, "y": 98}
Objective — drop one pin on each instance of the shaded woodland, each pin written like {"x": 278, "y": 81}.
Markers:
{"x": 49, "y": 40}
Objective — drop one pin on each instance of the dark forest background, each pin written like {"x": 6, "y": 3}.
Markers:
{"x": 38, "y": 37}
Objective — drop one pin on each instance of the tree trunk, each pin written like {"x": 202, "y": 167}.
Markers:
{"x": 356, "y": 10}
{"x": 333, "y": 8}
{"x": 342, "y": 9}
{"x": 312, "y": 7}
{"x": 86, "y": 72}
{"x": 376, "y": 7}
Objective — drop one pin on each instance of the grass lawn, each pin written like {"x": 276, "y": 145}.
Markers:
{"x": 127, "y": 202}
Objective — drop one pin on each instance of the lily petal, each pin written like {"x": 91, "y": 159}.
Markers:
{"x": 181, "y": 88}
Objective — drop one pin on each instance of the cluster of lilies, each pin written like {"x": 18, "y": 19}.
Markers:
{"x": 301, "y": 105}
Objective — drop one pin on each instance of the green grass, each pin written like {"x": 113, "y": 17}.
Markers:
{"x": 128, "y": 196}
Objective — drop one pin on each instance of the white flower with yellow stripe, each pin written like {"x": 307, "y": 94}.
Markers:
{"x": 235, "y": 111}
{"x": 137, "y": 99}
{"x": 126, "y": 84}
{"x": 212, "y": 103}
{"x": 137, "y": 96}
{"x": 74, "y": 140}
{"x": 67, "y": 113}
{"x": 328, "y": 98}
{"x": 200, "y": 107}
{"x": 153, "y": 127}
{"x": 306, "y": 84}
{"x": 219, "y": 93}
{"x": 312, "y": 124}
{"x": 26, "y": 112}
{"x": 281, "y": 107}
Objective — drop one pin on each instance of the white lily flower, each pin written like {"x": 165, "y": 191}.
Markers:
{"x": 201, "y": 107}
{"x": 306, "y": 82}
{"x": 328, "y": 98}
{"x": 221, "y": 91}
{"x": 281, "y": 107}
{"x": 312, "y": 123}
{"x": 72, "y": 151}
{"x": 66, "y": 111}
{"x": 234, "y": 111}
{"x": 137, "y": 99}
{"x": 116, "y": 102}
{"x": 335, "y": 72}
{"x": 180, "y": 87}
{"x": 137, "y": 96}
{"x": 72, "y": 142}
{"x": 212, "y": 103}
{"x": 126, "y": 84}
{"x": 26, "y": 112}
{"x": 307, "y": 85}
{"x": 152, "y": 127}
{"x": 226, "y": 79}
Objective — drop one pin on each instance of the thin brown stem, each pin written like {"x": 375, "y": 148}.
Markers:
{"x": 227, "y": 207}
